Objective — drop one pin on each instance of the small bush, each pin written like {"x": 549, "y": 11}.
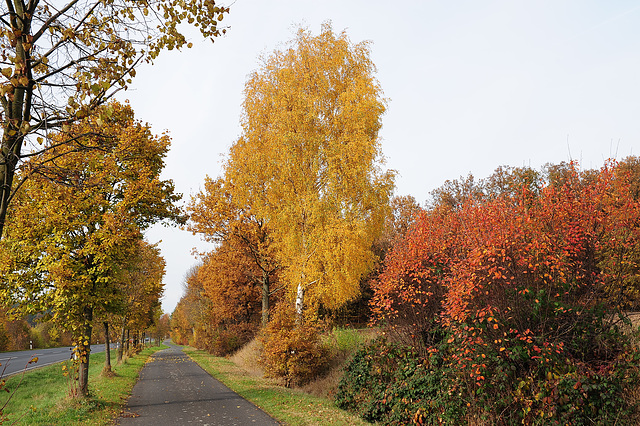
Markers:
{"x": 291, "y": 351}
{"x": 231, "y": 338}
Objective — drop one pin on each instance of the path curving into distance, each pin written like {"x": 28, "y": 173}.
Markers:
{"x": 174, "y": 390}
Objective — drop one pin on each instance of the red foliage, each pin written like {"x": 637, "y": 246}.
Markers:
{"x": 517, "y": 266}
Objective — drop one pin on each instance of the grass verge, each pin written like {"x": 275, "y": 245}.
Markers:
{"x": 42, "y": 397}
{"x": 290, "y": 406}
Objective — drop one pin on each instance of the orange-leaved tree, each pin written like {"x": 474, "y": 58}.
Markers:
{"x": 191, "y": 318}
{"x": 231, "y": 281}
{"x": 221, "y": 215}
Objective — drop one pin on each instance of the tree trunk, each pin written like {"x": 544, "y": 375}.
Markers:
{"x": 85, "y": 350}
{"x": 9, "y": 155}
{"x": 300, "y": 303}
{"x": 127, "y": 342}
{"x": 135, "y": 341}
{"x": 265, "y": 298}
{"x": 17, "y": 110}
{"x": 121, "y": 346}
{"x": 107, "y": 349}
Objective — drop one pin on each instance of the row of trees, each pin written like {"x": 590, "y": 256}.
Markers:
{"x": 78, "y": 175}
{"x": 73, "y": 250}
{"x": 38, "y": 332}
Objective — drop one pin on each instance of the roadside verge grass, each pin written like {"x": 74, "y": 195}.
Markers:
{"x": 42, "y": 397}
{"x": 290, "y": 406}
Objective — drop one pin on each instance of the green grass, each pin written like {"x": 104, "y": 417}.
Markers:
{"x": 290, "y": 406}
{"x": 42, "y": 397}
{"x": 347, "y": 340}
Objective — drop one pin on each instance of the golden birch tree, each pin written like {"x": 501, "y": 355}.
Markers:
{"x": 76, "y": 221}
{"x": 61, "y": 60}
{"x": 309, "y": 160}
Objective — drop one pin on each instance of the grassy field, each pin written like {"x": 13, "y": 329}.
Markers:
{"x": 290, "y": 406}
{"x": 42, "y": 396}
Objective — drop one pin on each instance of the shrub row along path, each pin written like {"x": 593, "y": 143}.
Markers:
{"x": 174, "y": 390}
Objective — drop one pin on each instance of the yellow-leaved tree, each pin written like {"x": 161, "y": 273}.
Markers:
{"x": 139, "y": 282}
{"x": 63, "y": 59}
{"x": 76, "y": 222}
{"x": 309, "y": 163}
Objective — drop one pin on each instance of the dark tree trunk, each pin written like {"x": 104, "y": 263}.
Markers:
{"x": 16, "y": 106}
{"x": 121, "y": 345}
{"x": 84, "y": 346}
{"x": 9, "y": 155}
{"x": 107, "y": 348}
{"x": 265, "y": 298}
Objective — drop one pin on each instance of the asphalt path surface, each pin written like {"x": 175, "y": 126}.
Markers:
{"x": 174, "y": 390}
{"x": 15, "y": 362}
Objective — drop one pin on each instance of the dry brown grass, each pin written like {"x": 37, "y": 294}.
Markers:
{"x": 248, "y": 358}
{"x": 634, "y": 317}
{"x": 327, "y": 385}
{"x": 341, "y": 349}
{"x": 342, "y": 345}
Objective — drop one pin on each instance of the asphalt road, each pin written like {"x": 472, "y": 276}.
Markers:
{"x": 174, "y": 390}
{"x": 15, "y": 362}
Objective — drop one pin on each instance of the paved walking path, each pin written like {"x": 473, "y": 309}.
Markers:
{"x": 174, "y": 390}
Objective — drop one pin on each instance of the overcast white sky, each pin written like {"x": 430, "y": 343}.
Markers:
{"x": 472, "y": 85}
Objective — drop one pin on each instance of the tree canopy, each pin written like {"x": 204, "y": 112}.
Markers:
{"x": 310, "y": 164}
{"x": 61, "y": 60}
